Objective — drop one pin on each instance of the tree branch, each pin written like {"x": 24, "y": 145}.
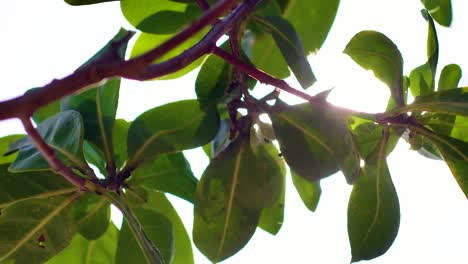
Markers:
{"x": 94, "y": 72}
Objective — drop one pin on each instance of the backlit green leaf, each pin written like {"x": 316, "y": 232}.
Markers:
{"x": 64, "y": 133}
{"x": 290, "y": 45}
{"x": 373, "y": 209}
{"x": 81, "y": 250}
{"x": 16, "y": 187}
{"x": 5, "y": 143}
{"x": 158, "y": 229}
{"x": 309, "y": 191}
{"x": 169, "y": 21}
{"x": 453, "y": 101}
{"x": 422, "y": 78}
{"x": 167, "y": 173}
{"x": 449, "y": 77}
{"x": 170, "y": 128}
{"x": 315, "y": 141}
{"x": 35, "y": 230}
{"x": 119, "y": 140}
{"x": 374, "y": 51}
{"x": 441, "y": 10}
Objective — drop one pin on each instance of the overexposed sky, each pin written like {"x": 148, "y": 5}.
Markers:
{"x": 42, "y": 40}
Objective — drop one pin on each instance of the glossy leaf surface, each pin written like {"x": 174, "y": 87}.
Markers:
{"x": 171, "y": 128}
{"x": 373, "y": 209}
{"x": 64, "y": 133}
{"x": 374, "y": 51}
{"x": 315, "y": 141}
{"x": 82, "y": 251}
{"x": 167, "y": 173}
{"x": 35, "y": 230}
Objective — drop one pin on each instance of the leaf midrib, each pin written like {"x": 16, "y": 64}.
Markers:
{"x": 40, "y": 196}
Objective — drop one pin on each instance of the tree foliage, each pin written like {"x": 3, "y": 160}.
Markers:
{"x": 46, "y": 218}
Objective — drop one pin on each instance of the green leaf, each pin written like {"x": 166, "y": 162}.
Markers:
{"x": 91, "y": 214}
{"x": 290, "y": 45}
{"x": 216, "y": 78}
{"x": 272, "y": 217}
{"x": 460, "y": 129}
{"x": 146, "y": 42}
{"x": 265, "y": 55}
{"x": 454, "y": 152}
{"x": 167, "y": 173}
{"x": 169, "y": 21}
{"x": 449, "y": 77}
{"x": 81, "y": 250}
{"x": 312, "y": 20}
{"x": 422, "y": 78}
{"x": 374, "y": 51}
{"x": 183, "y": 253}
{"x": 221, "y": 226}
{"x": 441, "y": 10}
{"x": 315, "y": 141}
{"x": 158, "y": 229}
{"x": 170, "y": 128}
{"x": 64, "y": 133}
{"x": 94, "y": 156}
{"x": 5, "y": 142}
{"x": 373, "y": 209}
{"x": 35, "y": 230}
{"x": 98, "y": 107}
{"x": 119, "y": 140}
{"x": 309, "y": 191}
{"x": 86, "y": 2}
{"x": 137, "y": 11}
{"x": 16, "y": 187}
{"x": 453, "y": 101}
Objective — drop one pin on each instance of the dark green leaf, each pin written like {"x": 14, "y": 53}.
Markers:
{"x": 35, "y": 230}
{"x": 98, "y": 107}
{"x": 5, "y": 142}
{"x": 373, "y": 209}
{"x": 167, "y": 173}
{"x": 441, "y": 10}
{"x": 221, "y": 226}
{"x": 146, "y": 42}
{"x": 81, "y": 250}
{"x": 423, "y": 78}
{"x": 272, "y": 217}
{"x": 315, "y": 141}
{"x": 449, "y": 77}
{"x": 92, "y": 215}
{"x": 309, "y": 191}
{"x": 290, "y": 45}
{"x": 454, "y": 152}
{"x": 158, "y": 229}
{"x": 16, "y": 187}
{"x": 374, "y": 51}
{"x": 170, "y": 128}
{"x": 95, "y": 157}
{"x": 453, "y": 101}
{"x": 86, "y": 2}
{"x": 64, "y": 133}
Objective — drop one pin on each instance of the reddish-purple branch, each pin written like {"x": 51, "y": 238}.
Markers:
{"x": 49, "y": 155}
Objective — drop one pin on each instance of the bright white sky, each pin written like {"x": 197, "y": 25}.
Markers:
{"x": 43, "y": 40}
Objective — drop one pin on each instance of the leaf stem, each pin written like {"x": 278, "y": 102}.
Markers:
{"x": 150, "y": 251}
